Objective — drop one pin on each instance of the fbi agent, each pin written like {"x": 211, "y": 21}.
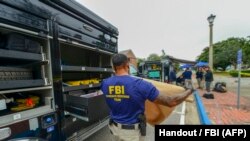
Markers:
{"x": 126, "y": 96}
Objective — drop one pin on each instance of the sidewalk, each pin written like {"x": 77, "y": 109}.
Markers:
{"x": 223, "y": 108}
{"x": 174, "y": 118}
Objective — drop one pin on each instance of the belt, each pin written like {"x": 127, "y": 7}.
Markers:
{"x": 125, "y": 126}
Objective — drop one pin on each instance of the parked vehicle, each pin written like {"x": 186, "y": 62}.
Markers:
{"x": 156, "y": 70}
{"x": 54, "y": 55}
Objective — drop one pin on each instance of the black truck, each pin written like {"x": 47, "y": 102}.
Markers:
{"x": 158, "y": 70}
{"x": 53, "y": 56}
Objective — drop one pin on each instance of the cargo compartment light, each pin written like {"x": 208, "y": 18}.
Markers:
{"x": 107, "y": 37}
{"x": 113, "y": 40}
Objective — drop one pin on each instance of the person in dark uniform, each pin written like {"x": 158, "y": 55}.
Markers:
{"x": 126, "y": 95}
{"x": 209, "y": 78}
{"x": 172, "y": 76}
{"x": 187, "y": 75}
{"x": 199, "y": 77}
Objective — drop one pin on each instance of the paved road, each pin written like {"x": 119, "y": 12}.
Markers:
{"x": 184, "y": 113}
{"x": 232, "y": 84}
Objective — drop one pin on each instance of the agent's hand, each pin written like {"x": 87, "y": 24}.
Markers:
{"x": 190, "y": 88}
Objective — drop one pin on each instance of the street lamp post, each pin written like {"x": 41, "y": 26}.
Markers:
{"x": 211, "y": 21}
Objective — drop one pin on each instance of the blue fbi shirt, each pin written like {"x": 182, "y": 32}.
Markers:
{"x": 126, "y": 96}
{"x": 187, "y": 74}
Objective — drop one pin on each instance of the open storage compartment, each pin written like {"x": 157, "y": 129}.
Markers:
{"x": 23, "y": 61}
{"x": 25, "y": 104}
{"x": 83, "y": 70}
{"x": 25, "y": 75}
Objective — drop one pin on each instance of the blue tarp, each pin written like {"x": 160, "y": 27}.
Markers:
{"x": 185, "y": 66}
{"x": 201, "y": 64}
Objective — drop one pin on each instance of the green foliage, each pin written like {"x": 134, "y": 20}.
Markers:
{"x": 153, "y": 57}
{"x": 223, "y": 73}
{"x": 246, "y": 51}
{"x": 245, "y": 71}
{"x": 139, "y": 60}
{"x": 234, "y": 73}
{"x": 225, "y": 52}
{"x": 204, "y": 55}
{"x": 245, "y": 74}
{"x": 177, "y": 66}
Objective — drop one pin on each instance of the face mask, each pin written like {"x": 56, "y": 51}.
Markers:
{"x": 128, "y": 69}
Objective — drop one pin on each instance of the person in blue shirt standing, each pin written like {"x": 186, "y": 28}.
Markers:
{"x": 199, "y": 77}
{"x": 126, "y": 95}
{"x": 172, "y": 76}
{"x": 209, "y": 78}
{"x": 187, "y": 75}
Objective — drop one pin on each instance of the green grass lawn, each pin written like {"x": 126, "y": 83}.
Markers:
{"x": 232, "y": 73}
{"x": 222, "y": 73}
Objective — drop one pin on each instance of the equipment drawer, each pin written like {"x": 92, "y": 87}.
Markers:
{"x": 70, "y": 34}
{"x": 91, "y": 107}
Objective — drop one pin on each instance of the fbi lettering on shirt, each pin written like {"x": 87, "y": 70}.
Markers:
{"x": 117, "y": 93}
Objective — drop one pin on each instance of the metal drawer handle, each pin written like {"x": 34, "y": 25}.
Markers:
{"x": 87, "y": 28}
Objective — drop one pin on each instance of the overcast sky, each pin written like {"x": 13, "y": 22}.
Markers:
{"x": 179, "y": 27}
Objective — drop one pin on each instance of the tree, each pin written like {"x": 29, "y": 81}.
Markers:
{"x": 139, "y": 60}
{"x": 225, "y": 52}
{"x": 246, "y": 51}
{"x": 153, "y": 57}
{"x": 176, "y": 66}
{"x": 204, "y": 55}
